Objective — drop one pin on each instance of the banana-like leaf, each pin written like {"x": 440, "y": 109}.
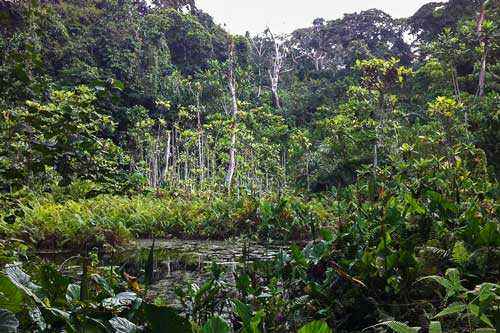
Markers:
{"x": 121, "y": 301}
{"x": 452, "y": 309}
{"x": 8, "y": 322}
{"x": 122, "y": 325}
{"x": 11, "y": 298}
{"x": 73, "y": 292}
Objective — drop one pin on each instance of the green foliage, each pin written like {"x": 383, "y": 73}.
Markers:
{"x": 399, "y": 327}
{"x": 315, "y": 327}
{"x": 216, "y": 325}
{"x": 480, "y": 303}
{"x": 122, "y": 325}
{"x": 381, "y": 75}
{"x": 445, "y": 107}
{"x": 115, "y": 220}
{"x": 381, "y": 161}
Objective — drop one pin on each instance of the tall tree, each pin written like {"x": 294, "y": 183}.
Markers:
{"x": 231, "y": 77}
{"x": 277, "y": 67}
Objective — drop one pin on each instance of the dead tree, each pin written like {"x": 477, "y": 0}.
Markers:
{"x": 231, "y": 78}
{"x": 276, "y": 69}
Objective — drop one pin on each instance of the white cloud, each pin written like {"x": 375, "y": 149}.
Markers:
{"x": 285, "y": 16}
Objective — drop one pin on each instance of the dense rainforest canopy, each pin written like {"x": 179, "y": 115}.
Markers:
{"x": 371, "y": 143}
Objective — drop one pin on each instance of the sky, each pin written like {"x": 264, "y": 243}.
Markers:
{"x": 284, "y": 16}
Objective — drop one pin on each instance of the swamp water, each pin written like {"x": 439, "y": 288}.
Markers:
{"x": 177, "y": 263}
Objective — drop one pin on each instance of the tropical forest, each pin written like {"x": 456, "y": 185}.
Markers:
{"x": 161, "y": 173}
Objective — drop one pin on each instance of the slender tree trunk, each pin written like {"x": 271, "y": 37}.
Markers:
{"x": 167, "y": 157}
{"x": 276, "y": 98}
{"x": 232, "y": 158}
{"x": 275, "y": 70}
{"x": 307, "y": 173}
{"x": 259, "y": 85}
{"x": 456, "y": 86}
{"x": 274, "y": 78}
{"x": 482, "y": 74}
{"x": 234, "y": 111}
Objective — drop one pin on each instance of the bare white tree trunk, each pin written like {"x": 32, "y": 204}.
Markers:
{"x": 276, "y": 69}
{"x": 456, "y": 85}
{"x": 167, "y": 157}
{"x": 154, "y": 171}
{"x": 200, "y": 137}
{"x": 259, "y": 50}
{"x": 318, "y": 57}
{"x": 234, "y": 111}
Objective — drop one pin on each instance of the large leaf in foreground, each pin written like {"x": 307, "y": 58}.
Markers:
{"x": 315, "y": 327}
{"x": 452, "y": 309}
{"x": 399, "y": 327}
{"x": 23, "y": 282}
{"x": 11, "y": 298}
{"x": 162, "y": 319}
{"x": 121, "y": 301}
{"x": 122, "y": 325}
{"x": 216, "y": 325}
{"x": 8, "y": 322}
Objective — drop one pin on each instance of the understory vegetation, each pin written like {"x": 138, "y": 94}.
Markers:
{"x": 366, "y": 148}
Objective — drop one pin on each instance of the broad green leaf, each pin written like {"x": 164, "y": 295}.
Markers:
{"x": 36, "y": 317}
{"x": 476, "y": 311}
{"x": 103, "y": 283}
{"x": 11, "y": 298}
{"x": 439, "y": 279}
{"x": 122, "y": 325}
{"x": 489, "y": 234}
{"x": 453, "y": 275}
{"x": 216, "y": 325}
{"x": 255, "y": 322}
{"x": 243, "y": 311}
{"x": 251, "y": 322}
{"x": 297, "y": 255}
{"x": 452, "y": 309}
{"x": 399, "y": 327}
{"x": 22, "y": 281}
{"x": 121, "y": 301}
{"x": 435, "y": 327}
{"x": 487, "y": 291}
{"x": 53, "y": 283}
{"x": 315, "y": 327}
{"x": 73, "y": 292}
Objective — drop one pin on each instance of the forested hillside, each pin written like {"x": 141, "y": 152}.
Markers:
{"x": 367, "y": 146}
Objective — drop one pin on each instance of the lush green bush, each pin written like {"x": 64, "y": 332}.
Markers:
{"x": 116, "y": 219}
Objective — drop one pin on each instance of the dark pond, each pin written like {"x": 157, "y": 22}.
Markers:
{"x": 180, "y": 262}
